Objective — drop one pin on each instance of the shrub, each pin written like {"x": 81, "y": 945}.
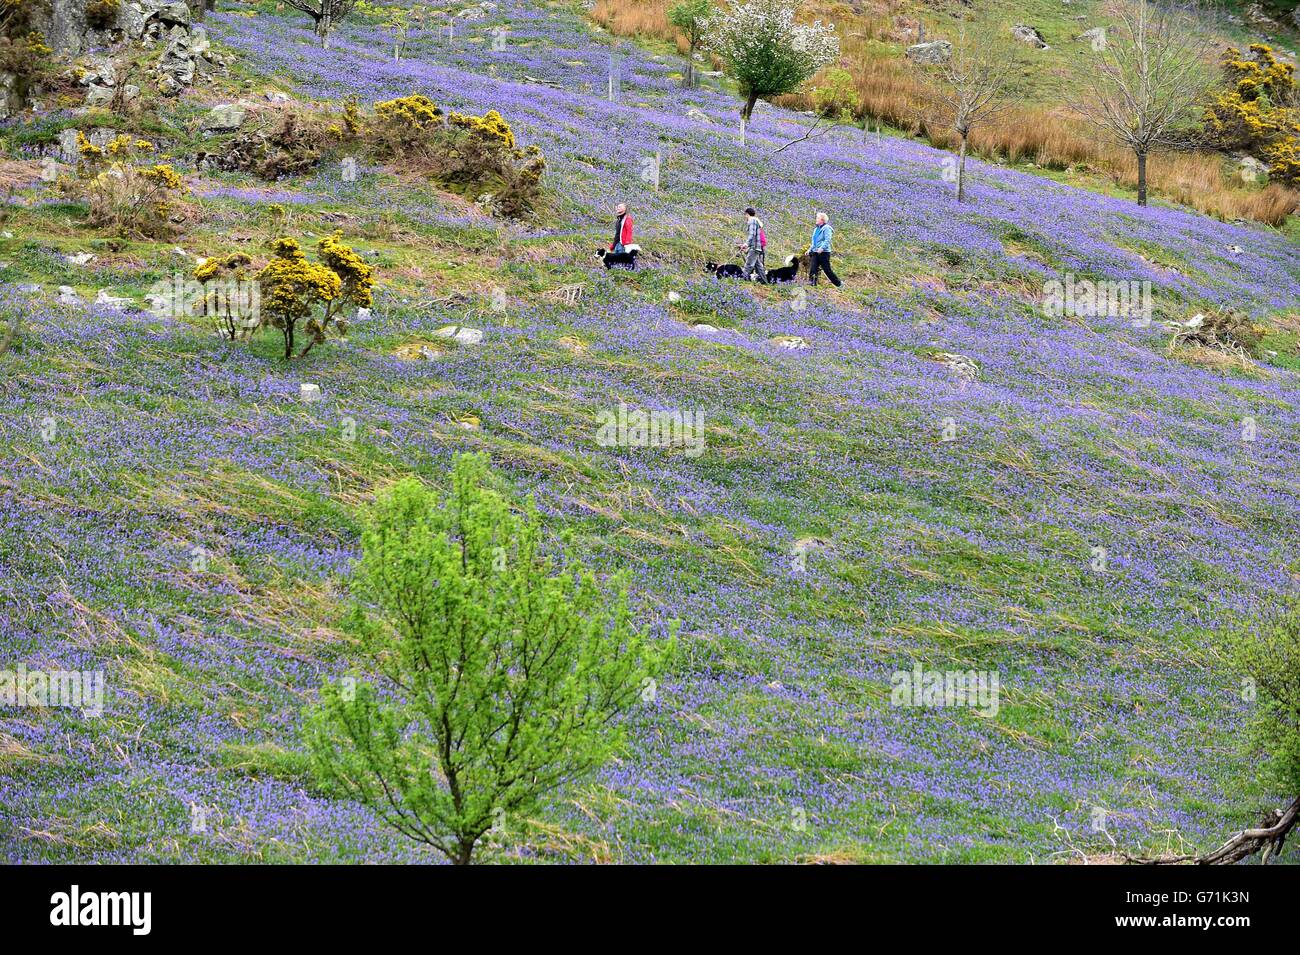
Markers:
{"x": 102, "y": 14}
{"x": 290, "y": 145}
{"x": 475, "y": 156}
{"x": 406, "y": 127}
{"x": 837, "y": 95}
{"x": 1259, "y": 112}
{"x": 128, "y": 196}
{"x": 231, "y": 297}
{"x": 1269, "y": 657}
{"x": 294, "y": 289}
{"x": 503, "y": 666}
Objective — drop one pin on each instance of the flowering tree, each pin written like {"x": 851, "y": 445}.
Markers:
{"x": 765, "y": 50}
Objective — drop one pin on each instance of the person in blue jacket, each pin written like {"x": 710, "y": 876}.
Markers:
{"x": 819, "y": 252}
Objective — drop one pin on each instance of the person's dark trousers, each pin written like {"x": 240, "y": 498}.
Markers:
{"x": 821, "y": 261}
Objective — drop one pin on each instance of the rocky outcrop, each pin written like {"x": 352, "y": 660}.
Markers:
{"x": 185, "y": 53}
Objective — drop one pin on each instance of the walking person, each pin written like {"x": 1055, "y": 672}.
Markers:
{"x": 754, "y": 246}
{"x": 820, "y": 251}
{"x": 622, "y": 229}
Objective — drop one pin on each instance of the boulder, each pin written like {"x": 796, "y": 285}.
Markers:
{"x": 932, "y": 53}
{"x": 309, "y": 392}
{"x": 131, "y": 20}
{"x": 174, "y": 13}
{"x": 963, "y": 367}
{"x": 1030, "y": 35}
{"x": 68, "y": 150}
{"x": 224, "y": 118}
{"x": 1095, "y": 36}
{"x": 789, "y": 342}
{"x": 1251, "y": 169}
{"x": 461, "y": 334}
{"x": 98, "y": 95}
{"x": 698, "y": 115}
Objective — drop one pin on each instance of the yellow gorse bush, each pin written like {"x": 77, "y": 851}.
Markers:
{"x": 415, "y": 109}
{"x": 132, "y": 199}
{"x": 490, "y": 126}
{"x": 293, "y": 288}
{"x": 1259, "y": 112}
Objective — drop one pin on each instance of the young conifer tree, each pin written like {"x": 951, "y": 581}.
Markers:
{"x": 503, "y": 667}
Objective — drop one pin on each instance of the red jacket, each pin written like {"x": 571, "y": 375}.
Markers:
{"x": 623, "y": 234}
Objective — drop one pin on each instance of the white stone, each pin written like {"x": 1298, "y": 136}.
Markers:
{"x": 309, "y": 392}
{"x": 105, "y": 297}
{"x": 790, "y": 342}
{"x": 462, "y": 334}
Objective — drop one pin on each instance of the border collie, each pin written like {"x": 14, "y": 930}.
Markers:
{"x": 625, "y": 259}
{"x": 787, "y": 273}
{"x": 728, "y": 271}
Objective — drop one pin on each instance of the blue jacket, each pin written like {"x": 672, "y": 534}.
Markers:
{"x": 821, "y": 239}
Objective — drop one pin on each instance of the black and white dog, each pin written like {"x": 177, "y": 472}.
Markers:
{"x": 625, "y": 259}
{"x": 728, "y": 271}
{"x": 787, "y": 273}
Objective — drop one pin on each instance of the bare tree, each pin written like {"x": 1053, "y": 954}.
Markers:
{"x": 1147, "y": 85}
{"x": 325, "y": 14}
{"x": 974, "y": 82}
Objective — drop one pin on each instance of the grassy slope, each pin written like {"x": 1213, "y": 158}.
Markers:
{"x": 956, "y": 555}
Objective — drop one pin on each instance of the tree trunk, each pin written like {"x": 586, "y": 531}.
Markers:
{"x": 1142, "y": 179}
{"x": 748, "y": 109}
{"x": 961, "y": 170}
{"x": 689, "y": 79}
{"x": 464, "y": 854}
{"x": 323, "y": 27}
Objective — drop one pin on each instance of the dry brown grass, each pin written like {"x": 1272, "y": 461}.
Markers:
{"x": 894, "y": 93}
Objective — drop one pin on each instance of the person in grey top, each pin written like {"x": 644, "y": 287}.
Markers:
{"x": 755, "y": 246}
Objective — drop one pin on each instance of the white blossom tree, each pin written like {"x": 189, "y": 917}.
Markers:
{"x": 765, "y": 50}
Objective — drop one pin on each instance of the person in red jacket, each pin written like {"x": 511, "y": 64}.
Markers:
{"x": 622, "y": 228}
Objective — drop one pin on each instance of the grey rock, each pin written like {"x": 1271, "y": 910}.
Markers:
{"x": 174, "y": 12}
{"x": 98, "y": 95}
{"x": 68, "y": 150}
{"x": 224, "y": 118}
{"x": 932, "y": 53}
{"x": 1030, "y": 35}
